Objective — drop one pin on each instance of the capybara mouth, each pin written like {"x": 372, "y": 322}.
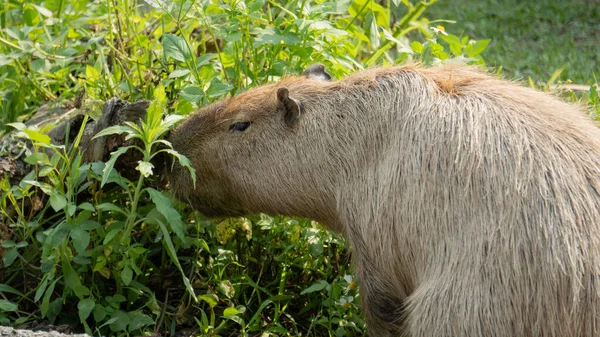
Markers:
{"x": 182, "y": 186}
{"x": 211, "y": 209}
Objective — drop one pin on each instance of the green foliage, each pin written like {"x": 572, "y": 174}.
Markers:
{"x": 88, "y": 253}
{"x": 198, "y": 50}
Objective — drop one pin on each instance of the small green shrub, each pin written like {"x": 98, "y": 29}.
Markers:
{"x": 79, "y": 244}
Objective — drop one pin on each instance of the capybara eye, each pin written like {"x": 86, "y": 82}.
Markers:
{"x": 239, "y": 126}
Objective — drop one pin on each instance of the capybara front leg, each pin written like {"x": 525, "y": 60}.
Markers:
{"x": 382, "y": 306}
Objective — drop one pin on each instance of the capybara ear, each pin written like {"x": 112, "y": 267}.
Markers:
{"x": 317, "y": 72}
{"x": 290, "y": 106}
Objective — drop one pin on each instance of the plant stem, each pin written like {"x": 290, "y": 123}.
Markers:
{"x": 133, "y": 213}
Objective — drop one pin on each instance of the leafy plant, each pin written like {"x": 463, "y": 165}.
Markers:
{"x": 434, "y": 51}
{"x": 80, "y": 241}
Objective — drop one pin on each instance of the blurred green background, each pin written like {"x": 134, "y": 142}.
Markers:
{"x": 531, "y": 38}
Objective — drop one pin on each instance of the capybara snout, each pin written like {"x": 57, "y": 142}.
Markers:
{"x": 470, "y": 202}
{"x": 196, "y": 139}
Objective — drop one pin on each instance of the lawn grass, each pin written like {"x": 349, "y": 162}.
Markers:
{"x": 531, "y": 38}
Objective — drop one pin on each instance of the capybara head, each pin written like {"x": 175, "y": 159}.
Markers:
{"x": 247, "y": 150}
{"x": 471, "y": 203}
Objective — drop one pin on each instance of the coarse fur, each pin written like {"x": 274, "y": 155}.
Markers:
{"x": 471, "y": 203}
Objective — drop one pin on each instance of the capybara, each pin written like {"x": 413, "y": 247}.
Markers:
{"x": 471, "y": 203}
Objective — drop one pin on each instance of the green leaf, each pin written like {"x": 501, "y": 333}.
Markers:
{"x": 162, "y": 5}
{"x": 138, "y": 250}
{"x": 81, "y": 240}
{"x": 139, "y": 320}
{"x": 336, "y": 7}
{"x": 417, "y": 47}
{"x": 30, "y": 15}
{"x": 218, "y": 89}
{"x": 155, "y": 110}
{"x": 72, "y": 278}
{"x": 115, "y": 129}
{"x": 226, "y": 289}
{"x": 71, "y": 209}
{"x": 204, "y": 59}
{"x": 10, "y": 256}
{"x": 174, "y": 46}
{"x": 57, "y": 201}
{"x": 554, "y": 76}
{"x": 145, "y": 168}
{"x": 107, "y": 206}
{"x": 477, "y": 48}
{"x": 192, "y": 94}
{"x": 8, "y": 306}
{"x": 111, "y": 163}
{"x": 262, "y": 306}
{"x": 8, "y": 289}
{"x": 291, "y": 39}
{"x": 341, "y": 332}
{"x": 315, "y": 244}
{"x": 37, "y": 137}
{"x": 87, "y": 206}
{"x": 81, "y": 217}
{"x": 230, "y": 311}
{"x": 111, "y": 235}
{"x": 45, "y": 171}
{"x": 39, "y": 158}
{"x": 374, "y": 35}
{"x": 126, "y": 275}
{"x": 236, "y": 319}
{"x": 593, "y": 95}
{"x": 99, "y": 313}
{"x": 165, "y": 207}
{"x": 184, "y": 107}
{"x": 46, "y": 301}
{"x": 211, "y": 299}
{"x": 41, "y": 288}
{"x": 315, "y": 287}
{"x": 173, "y": 255}
{"x": 233, "y": 37}
{"x": 121, "y": 322}
{"x": 389, "y": 36}
{"x": 89, "y": 225}
{"x": 454, "y": 43}
{"x": 168, "y": 122}
{"x": 8, "y": 244}
{"x": 85, "y": 307}
{"x": 42, "y": 10}
{"x": 118, "y": 298}
{"x": 92, "y": 74}
{"x": 179, "y": 73}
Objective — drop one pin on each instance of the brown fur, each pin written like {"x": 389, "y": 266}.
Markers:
{"x": 471, "y": 203}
